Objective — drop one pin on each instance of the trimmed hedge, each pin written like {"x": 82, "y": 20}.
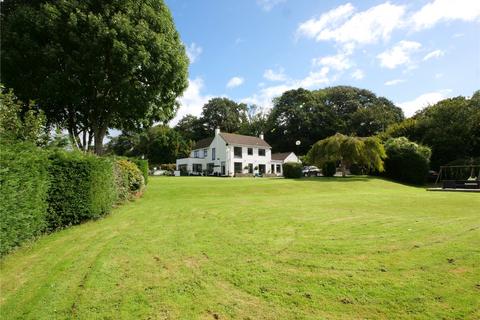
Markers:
{"x": 24, "y": 185}
{"x": 129, "y": 179}
{"x": 143, "y": 166}
{"x": 82, "y": 188}
{"x": 292, "y": 170}
{"x": 406, "y": 161}
{"x": 329, "y": 169}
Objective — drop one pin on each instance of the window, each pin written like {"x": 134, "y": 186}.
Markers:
{"x": 237, "y": 152}
{"x": 273, "y": 168}
{"x": 213, "y": 153}
{"x": 261, "y": 152}
{"x": 250, "y": 151}
{"x": 238, "y": 167}
{"x": 205, "y": 153}
{"x": 279, "y": 168}
{"x": 195, "y": 154}
{"x": 250, "y": 168}
{"x": 197, "y": 167}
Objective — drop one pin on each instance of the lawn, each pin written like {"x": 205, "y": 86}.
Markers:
{"x": 213, "y": 248}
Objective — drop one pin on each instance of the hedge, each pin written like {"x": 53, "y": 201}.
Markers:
{"x": 143, "y": 166}
{"x": 24, "y": 185}
{"x": 406, "y": 161}
{"x": 82, "y": 188}
{"x": 292, "y": 170}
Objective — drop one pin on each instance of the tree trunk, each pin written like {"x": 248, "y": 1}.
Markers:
{"x": 344, "y": 169}
{"x": 98, "y": 142}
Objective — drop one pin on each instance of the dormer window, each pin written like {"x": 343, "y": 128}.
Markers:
{"x": 195, "y": 154}
{"x": 205, "y": 153}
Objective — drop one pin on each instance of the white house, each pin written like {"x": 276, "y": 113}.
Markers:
{"x": 229, "y": 154}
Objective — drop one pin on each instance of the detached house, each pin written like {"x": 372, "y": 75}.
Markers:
{"x": 229, "y": 154}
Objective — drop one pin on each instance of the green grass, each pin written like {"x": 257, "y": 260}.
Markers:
{"x": 212, "y": 248}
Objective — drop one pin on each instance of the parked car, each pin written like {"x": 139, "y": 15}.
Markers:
{"x": 311, "y": 171}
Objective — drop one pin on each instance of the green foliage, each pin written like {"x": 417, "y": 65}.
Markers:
{"x": 348, "y": 150}
{"x": 82, "y": 188}
{"x": 129, "y": 179}
{"x": 309, "y": 116}
{"x": 329, "y": 169}
{"x": 451, "y": 128}
{"x": 406, "y": 161}
{"x": 356, "y": 169}
{"x": 223, "y": 113}
{"x": 24, "y": 183}
{"x": 143, "y": 166}
{"x": 292, "y": 170}
{"x": 93, "y": 65}
{"x": 20, "y": 121}
{"x": 168, "y": 166}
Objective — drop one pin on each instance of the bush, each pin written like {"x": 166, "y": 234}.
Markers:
{"x": 128, "y": 178}
{"x": 356, "y": 169}
{"x": 143, "y": 166}
{"x": 329, "y": 169}
{"x": 82, "y": 188}
{"x": 292, "y": 170}
{"x": 168, "y": 166}
{"x": 23, "y": 193}
{"x": 406, "y": 161}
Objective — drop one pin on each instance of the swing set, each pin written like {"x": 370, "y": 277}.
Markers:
{"x": 463, "y": 177}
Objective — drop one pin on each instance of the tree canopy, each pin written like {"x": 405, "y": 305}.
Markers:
{"x": 92, "y": 65}
{"x": 348, "y": 150}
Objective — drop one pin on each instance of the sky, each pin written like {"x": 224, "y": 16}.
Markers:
{"x": 414, "y": 53}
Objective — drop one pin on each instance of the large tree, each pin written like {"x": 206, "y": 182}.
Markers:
{"x": 309, "y": 116}
{"x": 348, "y": 150}
{"x": 191, "y": 128}
{"x": 223, "y": 113}
{"x": 93, "y": 65}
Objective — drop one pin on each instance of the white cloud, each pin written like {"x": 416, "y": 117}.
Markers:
{"x": 268, "y": 5}
{"x": 235, "y": 82}
{"x": 193, "y": 52}
{"x": 338, "y": 62}
{"x": 399, "y": 54}
{"x": 422, "y": 101}
{"x": 275, "y": 75}
{"x": 343, "y": 25}
{"x": 192, "y": 100}
{"x": 445, "y": 10}
{"x": 394, "y": 82}
{"x": 433, "y": 54}
{"x": 358, "y": 74}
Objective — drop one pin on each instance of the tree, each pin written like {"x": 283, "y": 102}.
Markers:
{"x": 191, "y": 128}
{"x": 20, "y": 121}
{"x": 223, "y": 113}
{"x": 159, "y": 144}
{"x": 93, "y": 65}
{"x": 451, "y": 128}
{"x": 348, "y": 150}
{"x": 309, "y": 116}
{"x": 257, "y": 120}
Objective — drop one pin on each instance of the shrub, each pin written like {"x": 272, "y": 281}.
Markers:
{"x": 128, "y": 178}
{"x": 329, "y": 169}
{"x": 168, "y": 166}
{"x": 292, "y": 170}
{"x": 82, "y": 188}
{"x": 143, "y": 166}
{"x": 406, "y": 161}
{"x": 356, "y": 169}
{"x": 23, "y": 193}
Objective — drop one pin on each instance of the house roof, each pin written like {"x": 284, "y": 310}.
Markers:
{"x": 281, "y": 156}
{"x": 204, "y": 143}
{"x": 232, "y": 138}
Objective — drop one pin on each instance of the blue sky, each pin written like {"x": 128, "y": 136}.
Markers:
{"x": 412, "y": 52}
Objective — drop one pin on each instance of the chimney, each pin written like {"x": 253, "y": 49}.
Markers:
{"x": 261, "y": 135}
{"x": 217, "y": 131}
